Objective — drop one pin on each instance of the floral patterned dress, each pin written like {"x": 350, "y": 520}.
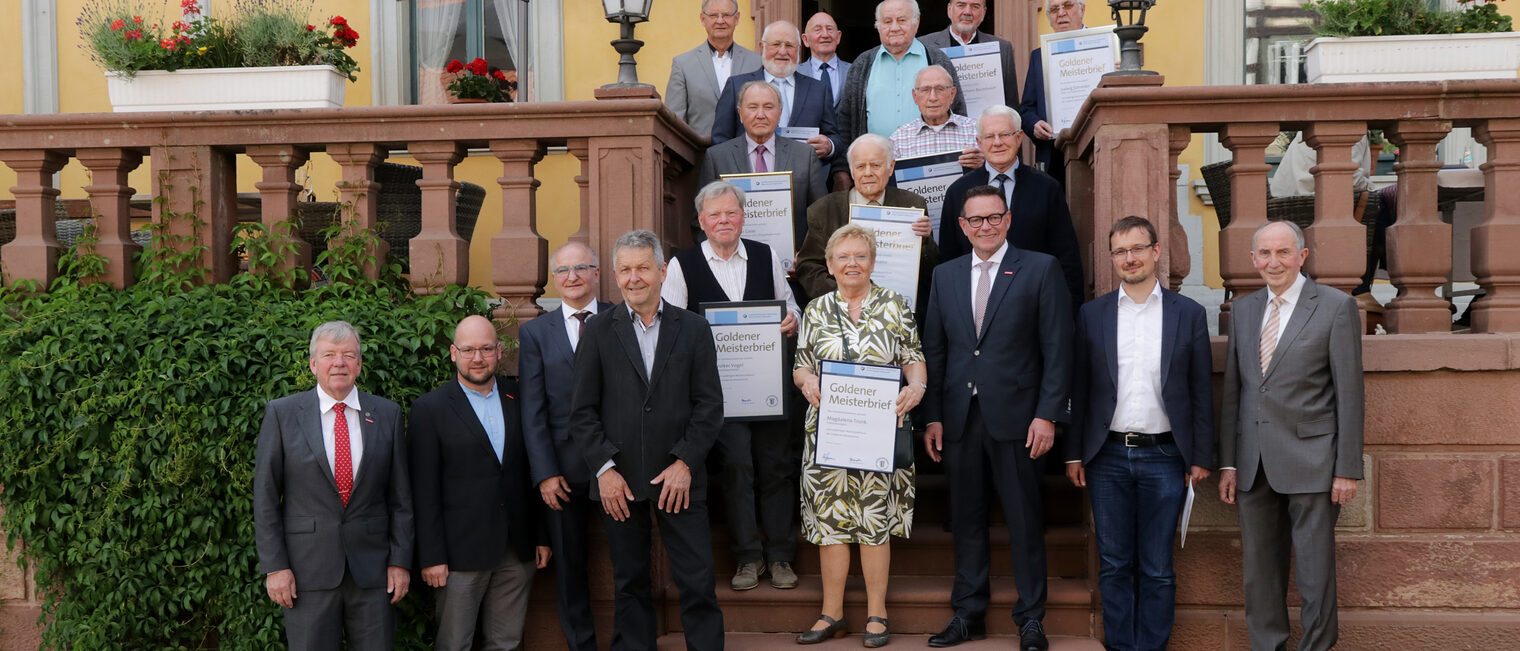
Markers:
{"x": 855, "y": 506}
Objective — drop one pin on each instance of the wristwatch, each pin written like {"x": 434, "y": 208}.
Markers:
{"x": 922, "y": 385}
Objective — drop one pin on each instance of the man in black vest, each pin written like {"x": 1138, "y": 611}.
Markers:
{"x": 755, "y": 454}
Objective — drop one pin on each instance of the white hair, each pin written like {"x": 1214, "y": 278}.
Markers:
{"x": 912, "y": 7}
{"x": 1298, "y": 233}
{"x": 569, "y": 245}
{"x": 715, "y": 190}
{"x": 871, "y": 139}
{"x": 999, "y": 110}
{"x": 639, "y": 239}
{"x": 334, "y": 331}
{"x": 932, "y": 67}
{"x": 735, "y": 3}
{"x": 764, "y": 34}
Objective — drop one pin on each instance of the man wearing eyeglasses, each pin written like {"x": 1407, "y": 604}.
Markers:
{"x": 1142, "y": 433}
{"x": 805, "y": 102}
{"x": 1041, "y": 220}
{"x": 546, "y": 364}
{"x": 937, "y": 130}
{"x": 699, "y": 75}
{"x": 997, "y": 338}
{"x": 479, "y": 535}
{"x": 966, "y": 18}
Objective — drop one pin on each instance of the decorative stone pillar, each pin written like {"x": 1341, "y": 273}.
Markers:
{"x": 627, "y": 192}
{"x": 519, "y": 256}
{"x": 33, "y": 254}
{"x": 110, "y": 198}
{"x": 1414, "y": 266}
{"x": 1337, "y": 241}
{"x": 1495, "y": 240}
{"x": 195, "y": 203}
{"x": 578, "y": 149}
{"x": 278, "y": 198}
{"x": 358, "y": 193}
{"x": 1129, "y": 168}
{"x": 438, "y": 255}
{"x": 1247, "y": 142}
{"x": 1176, "y": 259}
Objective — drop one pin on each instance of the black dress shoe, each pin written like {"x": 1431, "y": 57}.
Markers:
{"x": 835, "y": 628}
{"x": 1032, "y": 636}
{"x": 875, "y": 640}
{"x": 959, "y": 630}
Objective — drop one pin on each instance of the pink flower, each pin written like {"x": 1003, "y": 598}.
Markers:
{"x": 189, "y": 7}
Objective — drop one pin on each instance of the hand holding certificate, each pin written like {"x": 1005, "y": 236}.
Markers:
{"x": 857, "y": 418}
{"x": 1074, "y": 62}
{"x": 751, "y": 358}
{"x": 768, "y": 212}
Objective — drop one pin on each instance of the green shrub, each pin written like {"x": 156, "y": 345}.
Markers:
{"x": 1400, "y": 17}
{"x": 128, "y": 430}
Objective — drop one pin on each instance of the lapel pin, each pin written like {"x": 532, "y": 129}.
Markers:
{"x": 509, "y": 396}
{"x": 367, "y": 418}
{"x": 1007, "y": 273}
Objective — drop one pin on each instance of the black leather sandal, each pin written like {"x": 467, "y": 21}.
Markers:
{"x": 874, "y": 640}
{"x": 835, "y": 628}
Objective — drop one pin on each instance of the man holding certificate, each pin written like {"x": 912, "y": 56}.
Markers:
{"x": 998, "y": 341}
{"x": 987, "y": 73}
{"x": 807, "y": 104}
{"x": 753, "y": 456}
{"x": 1064, "y": 16}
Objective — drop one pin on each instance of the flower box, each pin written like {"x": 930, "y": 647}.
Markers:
{"x": 223, "y": 89}
{"x": 1421, "y": 57}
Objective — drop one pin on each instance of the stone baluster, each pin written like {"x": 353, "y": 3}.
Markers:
{"x": 358, "y": 191}
{"x": 110, "y": 205}
{"x": 519, "y": 256}
{"x": 1496, "y": 238}
{"x": 578, "y": 148}
{"x": 278, "y": 198}
{"x": 1415, "y": 266}
{"x": 1247, "y": 142}
{"x": 1337, "y": 241}
{"x": 1176, "y": 258}
{"x": 195, "y": 204}
{"x": 33, "y": 254}
{"x": 439, "y": 256}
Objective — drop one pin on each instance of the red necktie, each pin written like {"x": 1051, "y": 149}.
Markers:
{"x": 343, "y": 471}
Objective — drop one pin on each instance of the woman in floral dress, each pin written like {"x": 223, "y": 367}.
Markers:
{"x": 863, "y": 323}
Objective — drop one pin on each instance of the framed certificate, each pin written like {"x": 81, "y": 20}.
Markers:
{"x": 897, "y": 247}
{"x": 768, "y": 212}
{"x": 751, "y": 358}
{"x": 1074, "y": 62}
{"x": 857, "y": 424}
{"x": 929, "y": 177}
{"x": 979, "y": 67}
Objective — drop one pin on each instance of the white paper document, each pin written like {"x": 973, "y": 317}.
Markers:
{"x": 751, "y": 358}
{"x": 857, "y": 427}
{"x": 897, "y": 248}
{"x": 980, "y": 69}
{"x": 797, "y": 133}
{"x": 1073, "y": 63}
{"x": 1187, "y": 511}
{"x": 768, "y": 212}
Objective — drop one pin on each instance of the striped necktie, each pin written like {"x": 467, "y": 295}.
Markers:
{"x": 1269, "y": 333}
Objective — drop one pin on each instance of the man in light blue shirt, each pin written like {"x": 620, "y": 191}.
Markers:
{"x": 822, "y": 36}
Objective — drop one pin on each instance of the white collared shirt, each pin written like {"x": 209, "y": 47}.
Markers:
{"x": 1008, "y": 185}
{"x": 857, "y": 197}
{"x": 770, "y": 152}
{"x": 1138, "y": 405}
{"x": 957, "y": 36}
{"x": 787, "y": 88}
{"x": 1285, "y": 312}
{"x": 732, "y": 275}
{"x": 976, "y": 274}
{"x": 329, "y": 420}
{"x": 815, "y": 70}
{"x": 572, "y": 324}
{"x": 723, "y": 64}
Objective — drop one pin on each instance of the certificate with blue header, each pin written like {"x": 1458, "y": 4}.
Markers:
{"x": 1074, "y": 62}
{"x": 751, "y": 358}
{"x": 929, "y": 177}
{"x": 768, "y": 212}
{"x": 857, "y": 421}
{"x": 979, "y": 68}
{"x": 897, "y": 247}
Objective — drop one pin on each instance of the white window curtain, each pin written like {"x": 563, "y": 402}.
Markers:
{"x": 437, "y": 29}
{"x": 510, "y": 15}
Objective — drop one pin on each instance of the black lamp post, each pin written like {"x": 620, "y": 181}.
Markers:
{"x": 1130, "y": 27}
{"x": 627, "y": 12}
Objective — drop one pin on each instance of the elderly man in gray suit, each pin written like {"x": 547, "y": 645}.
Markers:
{"x": 332, "y": 504}
{"x": 697, "y": 76}
{"x": 1290, "y": 436}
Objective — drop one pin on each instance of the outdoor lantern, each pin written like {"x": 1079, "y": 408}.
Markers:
{"x": 1129, "y": 18}
{"x": 627, "y": 12}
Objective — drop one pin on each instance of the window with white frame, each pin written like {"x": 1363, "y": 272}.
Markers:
{"x": 463, "y": 30}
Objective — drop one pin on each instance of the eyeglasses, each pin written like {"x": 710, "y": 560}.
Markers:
{"x": 469, "y": 352}
{"x": 1137, "y": 251}
{"x": 1065, "y": 7}
{"x": 991, "y": 220}
{"x": 933, "y": 90}
{"x": 781, "y": 45}
{"x": 580, "y": 270}
{"x": 1001, "y": 135}
{"x": 714, "y": 15}
{"x": 847, "y": 259}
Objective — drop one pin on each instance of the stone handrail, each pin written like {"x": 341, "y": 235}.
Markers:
{"x": 631, "y": 148}
{"x": 1122, "y": 159}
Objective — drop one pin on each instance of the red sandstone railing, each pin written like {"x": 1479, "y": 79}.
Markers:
{"x": 631, "y": 149}
{"x": 1123, "y": 149}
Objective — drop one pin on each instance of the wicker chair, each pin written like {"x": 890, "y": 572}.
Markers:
{"x": 399, "y": 209}
{"x": 1299, "y": 209}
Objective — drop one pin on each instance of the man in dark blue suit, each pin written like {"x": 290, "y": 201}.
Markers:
{"x": 1064, "y": 16}
{"x": 1143, "y": 430}
{"x": 997, "y": 338}
{"x": 546, "y": 362}
{"x": 805, "y": 101}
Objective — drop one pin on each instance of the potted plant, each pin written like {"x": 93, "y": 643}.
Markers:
{"x": 264, "y": 54}
{"x": 1404, "y": 40}
{"x": 476, "y": 82}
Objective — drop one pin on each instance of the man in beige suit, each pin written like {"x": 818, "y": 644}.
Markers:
{"x": 1290, "y": 436}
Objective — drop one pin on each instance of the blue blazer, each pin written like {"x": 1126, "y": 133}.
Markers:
{"x": 812, "y": 106}
{"x": 547, "y": 367}
{"x": 1187, "y": 388}
{"x": 1032, "y": 106}
{"x": 1021, "y": 360}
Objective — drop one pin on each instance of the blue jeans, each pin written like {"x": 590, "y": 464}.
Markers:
{"x": 1137, "y": 496}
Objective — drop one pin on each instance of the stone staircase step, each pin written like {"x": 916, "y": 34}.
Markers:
{"x": 930, "y": 552}
{"x": 772, "y": 641}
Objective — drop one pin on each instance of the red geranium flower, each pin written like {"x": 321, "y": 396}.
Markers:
{"x": 189, "y": 7}
{"x": 118, "y": 24}
{"x": 454, "y": 66}
{"x": 167, "y": 44}
{"x": 310, "y": 28}
{"x": 137, "y": 19}
{"x": 338, "y": 20}
{"x": 478, "y": 66}
{"x": 134, "y": 35}
{"x": 499, "y": 75}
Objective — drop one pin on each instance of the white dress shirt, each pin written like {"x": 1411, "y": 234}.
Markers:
{"x": 732, "y": 275}
{"x": 329, "y": 420}
{"x": 723, "y": 64}
{"x": 1138, "y": 405}
{"x": 1007, "y": 185}
{"x": 572, "y": 324}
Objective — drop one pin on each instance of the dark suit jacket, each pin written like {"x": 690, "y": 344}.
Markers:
{"x": 942, "y": 40}
{"x": 833, "y": 211}
{"x": 1041, "y": 222}
{"x": 469, "y": 506}
{"x": 547, "y": 367}
{"x": 1032, "y": 107}
{"x": 1020, "y": 362}
{"x": 301, "y": 524}
{"x": 852, "y": 107}
{"x": 809, "y": 182}
{"x": 643, "y": 423}
{"x": 1302, "y": 420}
{"x": 812, "y": 106}
{"x": 1187, "y": 389}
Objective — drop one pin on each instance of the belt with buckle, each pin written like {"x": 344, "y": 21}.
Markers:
{"x": 1139, "y": 439}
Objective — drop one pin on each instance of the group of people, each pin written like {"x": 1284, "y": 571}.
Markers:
{"x": 618, "y": 408}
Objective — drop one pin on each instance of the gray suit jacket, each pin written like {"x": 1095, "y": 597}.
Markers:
{"x": 808, "y": 182}
{"x": 301, "y": 524}
{"x": 942, "y": 39}
{"x": 851, "y": 118}
{"x": 692, "y": 93}
{"x": 1302, "y": 420}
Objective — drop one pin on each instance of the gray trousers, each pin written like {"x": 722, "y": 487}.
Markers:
{"x": 322, "y": 618}
{"x": 1272, "y": 524}
{"x": 497, "y": 599}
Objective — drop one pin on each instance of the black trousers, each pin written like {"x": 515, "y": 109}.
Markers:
{"x": 567, "y": 537}
{"x": 976, "y": 465}
{"x": 756, "y": 463}
{"x": 688, "y": 548}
